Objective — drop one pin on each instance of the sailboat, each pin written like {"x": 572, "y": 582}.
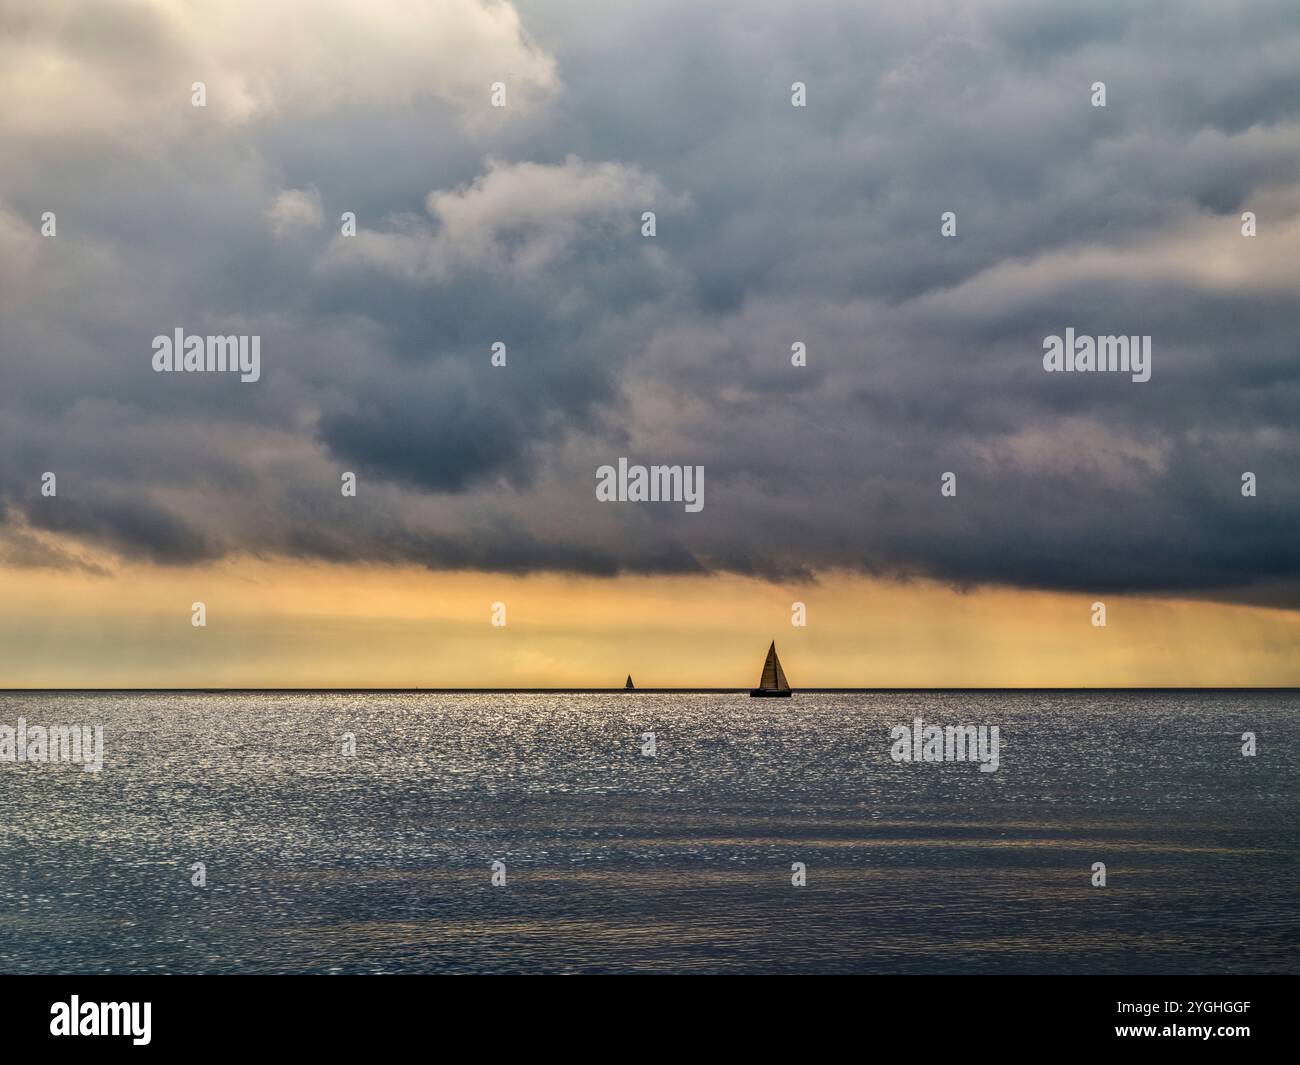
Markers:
{"x": 629, "y": 683}
{"x": 772, "y": 683}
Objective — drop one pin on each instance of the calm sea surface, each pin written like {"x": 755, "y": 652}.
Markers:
{"x": 618, "y": 862}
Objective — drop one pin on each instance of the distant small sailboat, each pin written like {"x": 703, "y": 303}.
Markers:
{"x": 629, "y": 685}
{"x": 772, "y": 683}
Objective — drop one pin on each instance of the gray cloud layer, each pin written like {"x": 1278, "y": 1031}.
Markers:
{"x": 775, "y": 224}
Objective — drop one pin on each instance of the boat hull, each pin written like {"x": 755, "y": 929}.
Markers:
{"x": 768, "y": 693}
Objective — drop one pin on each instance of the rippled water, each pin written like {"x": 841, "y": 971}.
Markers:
{"x": 682, "y": 862}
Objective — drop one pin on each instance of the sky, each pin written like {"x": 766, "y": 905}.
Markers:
{"x": 522, "y": 225}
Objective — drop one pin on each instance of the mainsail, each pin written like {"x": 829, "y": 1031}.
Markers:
{"x": 773, "y": 678}
{"x": 629, "y": 681}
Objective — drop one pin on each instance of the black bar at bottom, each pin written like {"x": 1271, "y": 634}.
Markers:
{"x": 1241, "y": 1015}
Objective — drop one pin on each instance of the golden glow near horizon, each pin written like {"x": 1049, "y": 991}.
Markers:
{"x": 292, "y": 624}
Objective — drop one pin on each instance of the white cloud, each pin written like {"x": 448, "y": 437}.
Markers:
{"x": 516, "y": 218}
{"x": 106, "y": 71}
{"x": 296, "y": 211}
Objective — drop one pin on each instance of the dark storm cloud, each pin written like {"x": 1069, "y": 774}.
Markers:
{"x": 775, "y": 224}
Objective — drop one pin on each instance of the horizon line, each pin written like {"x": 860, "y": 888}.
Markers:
{"x": 683, "y": 690}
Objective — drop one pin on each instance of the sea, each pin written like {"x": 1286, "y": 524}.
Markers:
{"x": 1123, "y": 832}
